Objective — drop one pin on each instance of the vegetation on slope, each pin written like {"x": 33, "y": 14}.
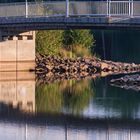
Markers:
{"x": 67, "y": 43}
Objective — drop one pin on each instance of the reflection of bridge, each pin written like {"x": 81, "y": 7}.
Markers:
{"x": 51, "y": 127}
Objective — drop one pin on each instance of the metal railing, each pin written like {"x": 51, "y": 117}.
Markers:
{"x": 120, "y": 8}
{"x": 71, "y": 8}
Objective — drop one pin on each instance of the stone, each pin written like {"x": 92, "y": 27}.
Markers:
{"x": 82, "y": 67}
{"x": 127, "y": 82}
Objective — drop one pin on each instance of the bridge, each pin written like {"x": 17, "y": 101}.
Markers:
{"x": 70, "y": 14}
{"x": 18, "y": 21}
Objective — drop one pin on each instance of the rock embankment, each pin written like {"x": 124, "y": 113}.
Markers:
{"x": 127, "y": 82}
{"x": 52, "y": 68}
{"x": 119, "y": 67}
{"x": 46, "y": 64}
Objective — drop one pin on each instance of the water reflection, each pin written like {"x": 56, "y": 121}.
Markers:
{"x": 114, "y": 102}
{"x": 88, "y": 98}
{"x": 68, "y": 96}
{"x": 86, "y": 109}
{"x": 17, "y": 89}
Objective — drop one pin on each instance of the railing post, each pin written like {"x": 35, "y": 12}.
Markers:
{"x": 132, "y": 8}
{"x": 67, "y": 8}
{"x": 107, "y": 9}
{"x": 26, "y": 8}
{"x": 129, "y": 7}
{"x": 109, "y": 4}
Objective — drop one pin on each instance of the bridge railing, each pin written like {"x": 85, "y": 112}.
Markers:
{"x": 136, "y": 8}
{"x": 76, "y": 8}
{"x": 11, "y": 10}
{"x": 47, "y": 9}
{"x": 91, "y": 8}
{"x": 57, "y": 8}
{"x": 117, "y": 8}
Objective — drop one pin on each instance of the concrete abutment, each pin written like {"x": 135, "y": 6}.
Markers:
{"x": 17, "y": 51}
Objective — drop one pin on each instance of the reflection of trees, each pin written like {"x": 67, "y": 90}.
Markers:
{"x": 77, "y": 95}
{"x": 125, "y": 102}
{"x": 49, "y": 98}
{"x": 71, "y": 96}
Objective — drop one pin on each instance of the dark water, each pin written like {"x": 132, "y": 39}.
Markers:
{"x": 88, "y": 109}
{"x": 118, "y": 45}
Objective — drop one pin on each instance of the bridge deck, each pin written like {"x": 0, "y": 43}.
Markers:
{"x": 41, "y": 23}
{"x": 62, "y": 15}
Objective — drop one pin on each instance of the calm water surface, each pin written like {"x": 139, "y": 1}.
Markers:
{"x": 88, "y": 109}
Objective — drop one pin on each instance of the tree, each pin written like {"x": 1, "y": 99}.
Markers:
{"x": 73, "y": 43}
{"x": 84, "y": 38}
{"x": 80, "y": 42}
{"x": 49, "y": 42}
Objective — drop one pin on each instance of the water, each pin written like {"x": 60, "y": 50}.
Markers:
{"x": 87, "y": 109}
{"x": 118, "y": 45}
{"x": 88, "y": 99}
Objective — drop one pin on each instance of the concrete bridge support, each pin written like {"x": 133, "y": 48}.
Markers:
{"x": 17, "y": 51}
{"x": 17, "y": 56}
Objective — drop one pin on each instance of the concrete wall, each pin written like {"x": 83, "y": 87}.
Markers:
{"x": 17, "y": 55}
{"x": 17, "y": 52}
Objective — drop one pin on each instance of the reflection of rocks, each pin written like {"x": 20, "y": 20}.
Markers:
{"x": 119, "y": 67}
{"x": 52, "y": 77}
{"x": 50, "y": 68}
{"x": 127, "y": 82}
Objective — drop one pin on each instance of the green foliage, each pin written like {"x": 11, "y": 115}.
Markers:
{"x": 82, "y": 38}
{"x": 68, "y": 43}
{"x": 49, "y": 42}
{"x": 79, "y": 42}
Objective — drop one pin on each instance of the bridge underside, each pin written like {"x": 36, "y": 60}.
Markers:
{"x": 42, "y": 23}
